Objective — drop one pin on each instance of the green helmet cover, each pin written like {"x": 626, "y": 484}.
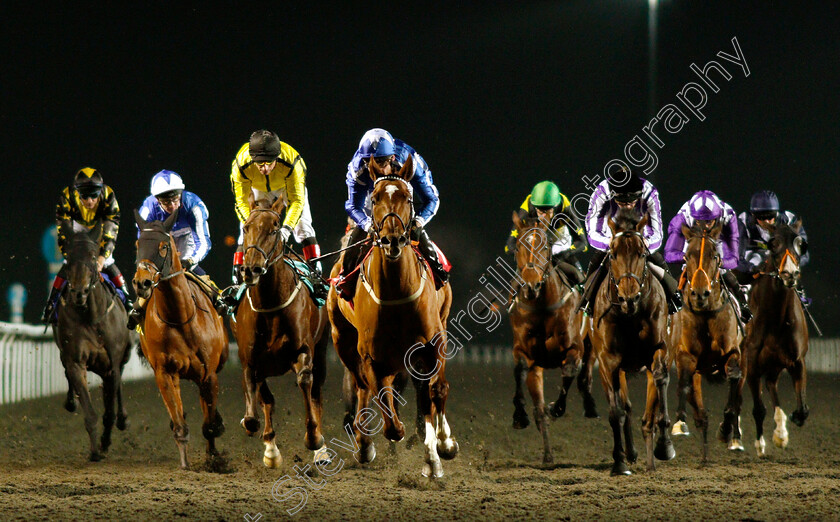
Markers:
{"x": 546, "y": 194}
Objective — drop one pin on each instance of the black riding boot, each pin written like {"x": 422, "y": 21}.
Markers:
{"x": 136, "y": 314}
{"x": 570, "y": 266}
{"x": 669, "y": 284}
{"x": 596, "y": 267}
{"x": 352, "y": 256}
{"x": 55, "y": 290}
{"x": 735, "y": 289}
{"x": 430, "y": 254}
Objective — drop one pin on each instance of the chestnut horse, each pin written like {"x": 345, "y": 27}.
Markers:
{"x": 707, "y": 339}
{"x": 397, "y": 322}
{"x": 278, "y": 328}
{"x": 777, "y": 337}
{"x": 546, "y": 331}
{"x": 628, "y": 333}
{"x": 182, "y": 335}
{"x": 91, "y": 335}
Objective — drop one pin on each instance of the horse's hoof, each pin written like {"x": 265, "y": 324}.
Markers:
{"x": 556, "y": 410}
{"x": 520, "y": 421}
{"x": 321, "y": 457}
{"x": 590, "y": 412}
{"x": 395, "y": 433}
{"x": 70, "y": 406}
{"x": 548, "y": 459}
{"x": 759, "y": 447}
{"x": 273, "y": 462}
{"x": 434, "y": 470}
{"x": 411, "y": 441}
{"x": 664, "y": 450}
{"x": 620, "y": 468}
{"x": 250, "y": 424}
{"x": 735, "y": 445}
{"x": 724, "y": 433}
{"x": 632, "y": 456}
{"x": 96, "y": 456}
{"x": 780, "y": 441}
{"x": 679, "y": 429}
{"x": 366, "y": 455}
{"x": 448, "y": 449}
{"x": 122, "y": 423}
{"x": 798, "y": 417}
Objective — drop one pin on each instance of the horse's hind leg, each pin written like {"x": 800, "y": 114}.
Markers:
{"x": 271, "y": 456}
{"x": 77, "y": 378}
{"x": 447, "y": 446}
{"x": 109, "y": 392}
{"x": 664, "y": 447}
{"x": 319, "y": 376}
{"x": 213, "y": 426}
{"x": 535, "y": 387}
{"x": 122, "y": 414}
{"x": 520, "y": 416}
{"x": 618, "y": 417}
{"x": 780, "y": 434}
{"x": 685, "y": 369}
{"x": 797, "y": 373}
{"x": 569, "y": 370}
{"x": 304, "y": 372}
{"x": 70, "y": 401}
{"x": 759, "y": 411}
{"x": 648, "y": 419}
{"x": 730, "y": 429}
{"x": 432, "y": 468}
{"x": 701, "y": 415}
{"x": 393, "y": 428}
{"x": 627, "y": 424}
{"x": 584, "y": 382}
{"x": 170, "y": 390}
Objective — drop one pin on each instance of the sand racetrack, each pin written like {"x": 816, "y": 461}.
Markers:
{"x": 498, "y": 474}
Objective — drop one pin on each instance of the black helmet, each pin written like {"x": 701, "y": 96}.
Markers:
{"x": 764, "y": 204}
{"x": 264, "y": 146}
{"x": 88, "y": 181}
{"x": 628, "y": 191}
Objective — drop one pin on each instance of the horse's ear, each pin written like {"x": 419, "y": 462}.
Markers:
{"x": 640, "y": 226}
{"x": 278, "y": 205}
{"x": 611, "y": 223}
{"x": 797, "y": 226}
{"x": 407, "y": 170}
{"x": 716, "y": 230}
{"x": 170, "y": 222}
{"x": 252, "y": 202}
{"x": 139, "y": 219}
{"x": 517, "y": 221}
{"x": 373, "y": 168}
{"x": 687, "y": 232}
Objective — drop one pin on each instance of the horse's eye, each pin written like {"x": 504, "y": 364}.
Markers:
{"x": 272, "y": 232}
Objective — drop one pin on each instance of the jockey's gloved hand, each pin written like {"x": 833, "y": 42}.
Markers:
{"x": 187, "y": 263}
{"x": 369, "y": 226}
{"x": 285, "y": 233}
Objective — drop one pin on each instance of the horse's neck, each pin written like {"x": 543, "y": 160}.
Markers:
{"x": 779, "y": 300}
{"x": 174, "y": 298}
{"x": 396, "y": 278}
{"x": 97, "y": 305}
{"x": 275, "y": 286}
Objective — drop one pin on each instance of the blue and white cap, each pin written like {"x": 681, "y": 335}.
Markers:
{"x": 166, "y": 181}
{"x": 378, "y": 142}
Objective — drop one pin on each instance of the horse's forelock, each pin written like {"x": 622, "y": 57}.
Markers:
{"x": 626, "y": 219}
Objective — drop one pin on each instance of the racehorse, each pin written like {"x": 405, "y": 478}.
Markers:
{"x": 91, "y": 335}
{"x": 546, "y": 331}
{"x": 627, "y": 331}
{"x": 182, "y": 335}
{"x": 278, "y": 328}
{"x": 397, "y": 322}
{"x": 777, "y": 337}
{"x": 707, "y": 340}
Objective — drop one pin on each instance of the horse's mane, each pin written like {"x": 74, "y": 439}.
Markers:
{"x": 626, "y": 219}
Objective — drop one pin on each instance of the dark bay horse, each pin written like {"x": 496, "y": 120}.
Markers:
{"x": 546, "y": 331}
{"x": 777, "y": 337}
{"x": 628, "y": 333}
{"x": 91, "y": 335}
{"x": 278, "y": 328}
{"x": 707, "y": 340}
{"x": 397, "y": 322}
{"x": 182, "y": 336}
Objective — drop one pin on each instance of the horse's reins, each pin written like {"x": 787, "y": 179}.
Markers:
{"x": 159, "y": 272}
{"x": 630, "y": 275}
{"x": 269, "y": 258}
{"x": 725, "y": 295}
{"x": 545, "y": 273}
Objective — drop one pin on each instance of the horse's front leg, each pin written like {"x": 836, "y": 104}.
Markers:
{"x": 109, "y": 396}
{"x": 686, "y": 366}
{"x": 798, "y": 374}
{"x": 664, "y": 447}
{"x": 213, "y": 425}
{"x": 701, "y": 415}
{"x": 584, "y": 382}
{"x": 780, "y": 434}
{"x": 314, "y": 440}
{"x": 367, "y": 450}
{"x": 271, "y": 456}
{"x": 170, "y": 390}
{"x": 729, "y": 431}
{"x": 520, "y": 372}
{"x": 447, "y": 446}
{"x": 250, "y": 421}
{"x": 432, "y": 468}
{"x": 758, "y": 411}
{"x": 648, "y": 419}
{"x": 122, "y": 413}
{"x": 77, "y": 379}
{"x": 569, "y": 370}
{"x": 535, "y": 387}
{"x": 627, "y": 425}
{"x": 393, "y": 430}
{"x": 612, "y": 386}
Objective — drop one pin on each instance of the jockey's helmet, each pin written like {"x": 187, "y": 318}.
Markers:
{"x": 705, "y": 206}
{"x": 626, "y": 186}
{"x": 546, "y": 195}
{"x": 377, "y": 142}
{"x": 166, "y": 181}
{"x": 764, "y": 204}
{"x": 88, "y": 181}
{"x": 264, "y": 145}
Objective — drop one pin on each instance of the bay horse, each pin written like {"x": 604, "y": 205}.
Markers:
{"x": 397, "y": 322}
{"x": 707, "y": 340}
{"x": 91, "y": 335}
{"x": 182, "y": 336}
{"x": 628, "y": 333}
{"x": 546, "y": 331}
{"x": 278, "y": 328}
{"x": 777, "y": 337}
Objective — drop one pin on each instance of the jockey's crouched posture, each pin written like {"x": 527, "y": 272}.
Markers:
{"x": 548, "y": 204}
{"x": 190, "y": 231}
{"x": 610, "y": 196}
{"x": 390, "y": 154}
{"x": 756, "y": 228}
{"x": 271, "y": 170}
{"x": 84, "y": 204}
{"x": 705, "y": 209}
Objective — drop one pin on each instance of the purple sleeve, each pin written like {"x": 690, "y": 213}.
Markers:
{"x": 731, "y": 244}
{"x": 597, "y": 231}
{"x": 653, "y": 232}
{"x": 676, "y": 242}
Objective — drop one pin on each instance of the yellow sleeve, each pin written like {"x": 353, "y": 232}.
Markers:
{"x": 523, "y": 211}
{"x": 240, "y": 184}
{"x": 295, "y": 187}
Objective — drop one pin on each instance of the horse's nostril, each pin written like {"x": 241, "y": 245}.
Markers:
{"x": 258, "y": 270}
{"x": 621, "y": 299}
{"x": 147, "y": 283}
{"x": 693, "y": 293}
{"x": 637, "y": 297}
{"x": 386, "y": 241}
{"x": 707, "y": 293}
{"x": 402, "y": 241}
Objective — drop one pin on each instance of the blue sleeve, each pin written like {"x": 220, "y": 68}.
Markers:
{"x": 424, "y": 185}
{"x": 197, "y": 215}
{"x": 357, "y": 192}
{"x": 803, "y": 260}
{"x": 147, "y": 211}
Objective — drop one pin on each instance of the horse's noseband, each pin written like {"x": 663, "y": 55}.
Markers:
{"x": 377, "y": 226}
{"x": 268, "y": 258}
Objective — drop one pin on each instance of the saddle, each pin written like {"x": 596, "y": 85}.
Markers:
{"x": 205, "y": 284}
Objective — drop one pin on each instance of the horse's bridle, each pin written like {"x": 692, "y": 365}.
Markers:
{"x": 630, "y": 275}
{"x": 701, "y": 270}
{"x": 269, "y": 258}
{"x": 530, "y": 265}
{"x": 160, "y": 267}
{"x": 376, "y": 228}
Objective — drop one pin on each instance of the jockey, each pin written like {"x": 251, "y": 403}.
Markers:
{"x": 84, "y": 204}
{"x": 609, "y": 197}
{"x": 756, "y": 229}
{"x": 190, "y": 231}
{"x": 272, "y": 169}
{"x": 548, "y": 204}
{"x": 706, "y": 209}
{"x": 390, "y": 154}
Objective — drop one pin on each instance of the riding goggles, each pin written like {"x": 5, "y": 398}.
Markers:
{"x": 627, "y": 197}
{"x": 765, "y": 215}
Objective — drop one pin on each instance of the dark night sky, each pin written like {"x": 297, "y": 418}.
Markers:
{"x": 495, "y": 96}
